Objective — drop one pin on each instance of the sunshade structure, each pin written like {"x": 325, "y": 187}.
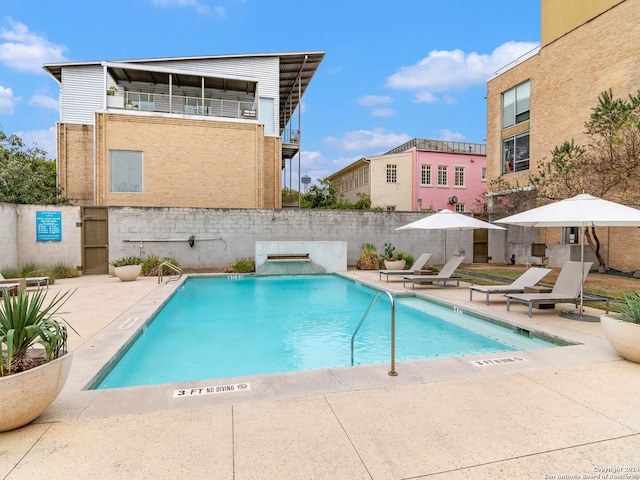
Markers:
{"x": 582, "y": 211}
{"x": 448, "y": 220}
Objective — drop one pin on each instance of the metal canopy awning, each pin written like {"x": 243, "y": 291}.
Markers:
{"x": 296, "y": 71}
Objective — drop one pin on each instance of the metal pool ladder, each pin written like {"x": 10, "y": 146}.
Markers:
{"x": 170, "y": 266}
{"x": 392, "y": 372}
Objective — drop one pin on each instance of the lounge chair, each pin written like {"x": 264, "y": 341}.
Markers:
{"x": 9, "y": 288}
{"x": 527, "y": 279}
{"x": 565, "y": 290}
{"x": 22, "y": 283}
{"x": 443, "y": 276}
{"x": 27, "y": 282}
{"x": 417, "y": 265}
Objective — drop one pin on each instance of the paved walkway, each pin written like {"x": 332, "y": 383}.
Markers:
{"x": 571, "y": 411}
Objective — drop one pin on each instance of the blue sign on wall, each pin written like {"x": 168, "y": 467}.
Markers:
{"x": 49, "y": 226}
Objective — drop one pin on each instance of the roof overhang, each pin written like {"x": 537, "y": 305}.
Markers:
{"x": 296, "y": 71}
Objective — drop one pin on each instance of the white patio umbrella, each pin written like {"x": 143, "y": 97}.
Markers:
{"x": 446, "y": 220}
{"x": 582, "y": 211}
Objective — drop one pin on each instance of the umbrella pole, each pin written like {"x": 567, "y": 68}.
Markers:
{"x": 582, "y": 272}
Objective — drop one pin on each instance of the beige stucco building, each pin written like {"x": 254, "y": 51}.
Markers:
{"x": 209, "y": 132}
{"x": 544, "y": 98}
{"x": 421, "y": 174}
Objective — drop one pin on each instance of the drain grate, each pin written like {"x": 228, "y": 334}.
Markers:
{"x": 496, "y": 361}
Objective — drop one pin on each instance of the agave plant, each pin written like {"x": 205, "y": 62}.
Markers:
{"x": 27, "y": 321}
{"x": 630, "y": 307}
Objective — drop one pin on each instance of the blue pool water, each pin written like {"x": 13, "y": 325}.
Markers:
{"x": 217, "y": 327}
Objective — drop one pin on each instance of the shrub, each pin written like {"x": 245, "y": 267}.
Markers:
{"x": 121, "y": 262}
{"x": 242, "y": 265}
{"x": 60, "y": 270}
{"x": 368, "y": 257}
{"x": 151, "y": 263}
{"x": 408, "y": 259}
{"x": 630, "y": 307}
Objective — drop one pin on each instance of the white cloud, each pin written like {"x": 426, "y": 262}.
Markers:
{"x": 43, "y": 139}
{"x": 383, "y": 112}
{"x": 25, "y": 51}
{"x": 371, "y": 100}
{"x": 7, "y": 101}
{"x": 200, "y": 7}
{"x": 368, "y": 141}
{"x": 449, "y": 136}
{"x": 445, "y": 70}
{"x": 44, "y": 101}
{"x": 426, "y": 97}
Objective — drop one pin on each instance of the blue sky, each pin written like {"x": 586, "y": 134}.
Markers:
{"x": 393, "y": 71}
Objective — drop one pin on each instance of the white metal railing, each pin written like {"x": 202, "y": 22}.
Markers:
{"x": 212, "y": 107}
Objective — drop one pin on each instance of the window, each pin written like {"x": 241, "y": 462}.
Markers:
{"x": 515, "y": 105}
{"x": 391, "y": 208}
{"x": 426, "y": 175}
{"x": 442, "y": 175}
{"x": 484, "y": 174}
{"x": 515, "y": 153}
{"x": 460, "y": 207}
{"x": 459, "y": 177}
{"x": 125, "y": 171}
{"x": 391, "y": 173}
{"x": 571, "y": 235}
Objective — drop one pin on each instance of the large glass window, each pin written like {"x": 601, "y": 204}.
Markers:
{"x": 391, "y": 173}
{"x": 442, "y": 175}
{"x": 426, "y": 175}
{"x": 515, "y": 105}
{"x": 515, "y": 153}
{"x": 125, "y": 169}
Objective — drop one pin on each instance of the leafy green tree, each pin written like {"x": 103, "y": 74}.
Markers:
{"x": 607, "y": 167}
{"x": 322, "y": 196}
{"x": 26, "y": 176}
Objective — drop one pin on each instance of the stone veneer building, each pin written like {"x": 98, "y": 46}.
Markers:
{"x": 207, "y": 132}
{"x": 543, "y": 99}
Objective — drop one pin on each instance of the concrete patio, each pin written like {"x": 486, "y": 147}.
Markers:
{"x": 572, "y": 411}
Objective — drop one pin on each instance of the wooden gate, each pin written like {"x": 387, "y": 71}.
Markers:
{"x": 95, "y": 239}
{"x": 481, "y": 245}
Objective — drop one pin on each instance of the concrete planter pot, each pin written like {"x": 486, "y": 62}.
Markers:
{"x": 394, "y": 264}
{"x": 25, "y": 395}
{"x": 623, "y": 336}
{"x": 128, "y": 273}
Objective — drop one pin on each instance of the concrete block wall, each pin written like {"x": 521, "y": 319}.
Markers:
{"x": 8, "y": 236}
{"x": 224, "y": 235}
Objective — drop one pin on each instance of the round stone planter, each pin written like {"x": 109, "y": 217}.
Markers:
{"x": 623, "y": 336}
{"x": 128, "y": 273}
{"x": 25, "y": 395}
{"x": 394, "y": 264}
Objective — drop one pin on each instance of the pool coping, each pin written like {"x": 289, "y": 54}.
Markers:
{"x": 76, "y": 402}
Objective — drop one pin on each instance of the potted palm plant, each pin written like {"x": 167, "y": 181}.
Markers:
{"x": 622, "y": 330}
{"x": 127, "y": 269}
{"x": 34, "y": 362}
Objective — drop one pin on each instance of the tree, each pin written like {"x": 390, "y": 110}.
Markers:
{"x": 607, "y": 167}
{"x": 322, "y": 196}
{"x": 26, "y": 176}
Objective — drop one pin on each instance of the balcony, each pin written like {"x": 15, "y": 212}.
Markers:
{"x": 177, "y": 104}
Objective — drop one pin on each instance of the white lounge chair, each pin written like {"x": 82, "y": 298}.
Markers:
{"x": 9, "y": 288}
{"x": 443, "y": 276}
{"x": 527, "y": 279}
{"x": 417, "y": 265}
{"x": 28, "y": 282}
{"x": 565, "y": 290}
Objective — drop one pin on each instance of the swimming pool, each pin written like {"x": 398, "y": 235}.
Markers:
{"x": 221, "y": 327}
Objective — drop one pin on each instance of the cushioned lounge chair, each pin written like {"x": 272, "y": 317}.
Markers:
{"x": 443, "y": 276}
{"x": 417, "y": 265}
{"x": 9, "y": 288}
{"x": 27, "y": 282}
{"x": 565, "y": 290}
{"x": 527, "y": 279}
{"x": 22, "y": 283}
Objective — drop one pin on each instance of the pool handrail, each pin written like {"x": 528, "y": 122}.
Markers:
{"x": 391, "y": 372}
{"x": 170, "y": 266}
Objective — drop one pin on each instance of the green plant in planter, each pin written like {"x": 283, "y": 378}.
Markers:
{"x": 408, "y": 259}
{"x": 112, "y": 90}
{"x": 630, "y": 307}
{"x": 27, "y": 321}
{"x": 368, "y": 259}
{"x": 121, "y": 262}
{"x": 388, "y": 252}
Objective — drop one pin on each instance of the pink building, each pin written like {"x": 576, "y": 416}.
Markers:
{"x": 421, "y": 174}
